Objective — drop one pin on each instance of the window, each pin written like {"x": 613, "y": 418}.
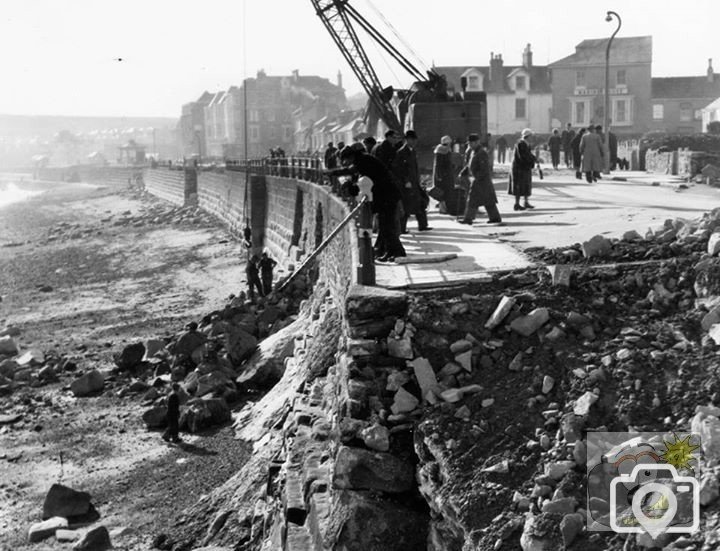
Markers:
{"x": 473, "y": 83}
{"x": 253, "y": 115}
{"x": 287, "y": 133}
{"x": 580, "y": 79}
{"x": 698, "y": 114}
{"x": 580, "y": 113}
{"x": 686, "y": 112}
{"x": 254, "y": 134}
{"x": 520, "y": 83}
{"x": 620, "y": 78}
{"x": 270, "y": 115}
{"x": 658, "y": 111}
{"x": 273, "y": 133}
{"x": 520, "y": 108}
{"x": 622, "y": 111}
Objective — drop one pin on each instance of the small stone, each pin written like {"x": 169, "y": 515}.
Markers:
{"x": 8, "y": 346}
{"x": 96, "y": 539}
{"x": 450, "y": 368}
{"x": 451, "y": 395}
{"x": 555, "y": 334}
{"x": 87, "y": 384}
{"x": 709, "y": 488}
{"x": 570, "y": 527}
{"x": 396, "y": 380}
{"x": 465, "y": 360}
{"x": 713, "y": 246}
{"x": 458, "y": 347}
{"x": 558, "y": 469}
{"x": 41, "y": 530}
{"x": 582, "y": 405}
{"x": 463, "y": 412}
{"x": 631, "y": 235}
{"x": 564, "y": 505}
{"x": 527, "y": 325}
{"x": 404, "y": 402}
{"x": 547, "y": 384}
{"x": 501, "y": 312}
{"x": 400, "y": 348}
{"x": 487, "y": 402}
{"x": 560, "y": 274}
{"x": 67, "y": 535}
{"x": 503, "y": 467}
{"x": 597, "y": 246}
{"x": 516, "y": 363}
{"x": 376, "y": 437}
{"x": 425, "y": 375}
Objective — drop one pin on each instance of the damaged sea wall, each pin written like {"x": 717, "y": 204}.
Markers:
{"x": 167, "y": 184}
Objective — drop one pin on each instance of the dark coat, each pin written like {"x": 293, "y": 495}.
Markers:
{"x": 521, "y": 173}
{"x": 482, "y": 191}
{"x": 443, "y": 171}
{"x": 592, "y": 152}
{"x": 567, "y": 137}
{"x": 554, "y": 143}
{"x": 575, "y": 145}
{"x": 331, "y": 157}
{"x": 385, "y": 151}
{"x": 266, "y": 266}
{"x": 173, "y": 412}
{"x": 385, "y": 192}
{"x": 407, "y": 172}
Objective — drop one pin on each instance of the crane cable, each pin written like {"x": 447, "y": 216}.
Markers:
{"x": 399, "y": 37}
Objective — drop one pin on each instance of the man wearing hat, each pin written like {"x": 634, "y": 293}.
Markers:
{"x": 385, "y": 197}
{"x": 481, "y": 191}
{"x": 405, "y": 167}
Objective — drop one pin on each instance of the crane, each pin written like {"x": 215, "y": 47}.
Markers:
{"x": 426, "y": 107}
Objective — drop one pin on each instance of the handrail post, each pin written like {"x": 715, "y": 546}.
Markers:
{"x": 366, "y": 269}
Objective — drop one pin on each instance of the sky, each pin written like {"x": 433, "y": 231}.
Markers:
{"x": 148, "y": 57}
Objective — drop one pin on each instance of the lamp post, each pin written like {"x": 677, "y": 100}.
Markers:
{"x": 606, "y": 111}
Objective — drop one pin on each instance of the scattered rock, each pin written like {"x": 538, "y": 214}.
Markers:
{"x": 62, "y": 501}
{"x": 42, "y": 530}
{"x": 8, "y": 346}
{"x": 597, "y": 246}
{"x": 404, "y": 402}
{"x": 501, "y": 312}
{"x": 527, "y": 325}
{"x": 358, "y": 469}
{"x": 87, "y": 384}
{"x": 582, "y": 405}
{"x": 376, "y": 437}
{"x": 425, "y": 375}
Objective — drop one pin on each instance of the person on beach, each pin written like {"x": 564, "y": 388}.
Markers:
{"x": 173, "y": 415}
{"x": 253, "y": 277}
{"x": 521, "y": 174}
{"x": 266, "y": 265}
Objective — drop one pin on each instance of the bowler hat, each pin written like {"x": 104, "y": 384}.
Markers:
{"x": 473, "y": 138}
{"x": 410, "y": 135}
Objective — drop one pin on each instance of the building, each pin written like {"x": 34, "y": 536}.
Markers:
{"x": 678, "y": 102}
{"x": 711, "y": 113}
{"x": 518, "y": 96}
{"x": 191, "y": 127}
{"x": 578, "y": 85}
{"x": 280, "y": 111}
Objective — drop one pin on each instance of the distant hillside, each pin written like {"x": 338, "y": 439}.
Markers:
{"x": 45, "y": 126}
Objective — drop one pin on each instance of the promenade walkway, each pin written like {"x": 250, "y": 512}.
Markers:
{"x": 567, "y": 211}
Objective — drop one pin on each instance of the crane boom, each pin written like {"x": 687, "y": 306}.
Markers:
{"x": 335, "y": 16}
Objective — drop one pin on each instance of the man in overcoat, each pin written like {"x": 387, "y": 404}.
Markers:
{"x": 482, "y": 192}
{"x": 406, "y": 170}
{"x": 521, "y": 174}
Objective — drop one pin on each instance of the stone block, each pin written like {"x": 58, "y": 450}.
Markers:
{"x": 96, "y": 539}
{"x": 527, "y": 325}
{"x": 41, "y": 530}
{"x": 597, "y": 246}
{"x": 501, "y": 312}
{"x": 360, "y": 469}
{"x": 560, "y": 274}
{"x": 88, "y": 383}
{"x": 425, "y": 375}
{"x": 367, "y": 303}
{"x": 404, "y": 402}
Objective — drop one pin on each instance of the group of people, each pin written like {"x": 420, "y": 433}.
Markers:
{"x": 259, "y": 274}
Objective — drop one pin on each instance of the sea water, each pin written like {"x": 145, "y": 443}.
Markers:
{"x": 11, "y": 193}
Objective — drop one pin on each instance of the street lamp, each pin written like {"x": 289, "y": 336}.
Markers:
{"x": 606, "y": 113}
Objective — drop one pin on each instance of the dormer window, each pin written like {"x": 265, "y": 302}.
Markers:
{"x": 473, "y": 83}
{"x": 520, "y": 83}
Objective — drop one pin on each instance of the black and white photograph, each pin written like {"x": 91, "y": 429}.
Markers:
{"x": 359, "y": 275}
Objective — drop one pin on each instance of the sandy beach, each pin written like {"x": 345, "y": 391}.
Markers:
{"x": 85, "y": 270}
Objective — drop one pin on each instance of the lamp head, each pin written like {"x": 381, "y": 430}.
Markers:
{"x": 608, "y": 17}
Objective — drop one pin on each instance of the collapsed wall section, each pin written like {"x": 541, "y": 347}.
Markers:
{"x": 168, "y": 185}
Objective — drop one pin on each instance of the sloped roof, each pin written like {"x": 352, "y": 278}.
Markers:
{"x": 686, "y": 87}
{"x": 625, "y": 50}
{"x": 714, "y": 106}
{"x": 539, "y": 78}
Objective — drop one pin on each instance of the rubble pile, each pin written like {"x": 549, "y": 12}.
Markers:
{"x": 503, "y": 384}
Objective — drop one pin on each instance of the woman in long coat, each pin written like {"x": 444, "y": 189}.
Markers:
{"x": 482, "y": 192}
{"x": 577, "y": 156}
{"x": 591, "y": 149}
{"x": 443, "y": 173}
{"x": 521, "y": 174}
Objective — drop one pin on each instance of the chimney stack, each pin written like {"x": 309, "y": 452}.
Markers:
{"x": 339, "y": 79}
{"x": 296, "y": 74}
{"x": 527, "y": 57}
{"x": 710, "y": 72}
{"x": 496, "y": 68}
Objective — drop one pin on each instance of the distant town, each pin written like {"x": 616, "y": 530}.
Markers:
{"x": 302, "y": 113}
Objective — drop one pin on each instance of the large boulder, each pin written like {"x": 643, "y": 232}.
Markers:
{"x": 8, "y": 346}
{"x": 267, "y": 364}
{"x": 239, "y": 344}
{"x": 87, "y": 384}
{"x": 359, "y": 520}
{"x": 97, "y": 539}
{"x": 202, "y": 413}
{"x": 130, "y": 356}
{"x": 372, "y": 311}
{"x": 360, "y": 469}
{"x": 187, "y": 342}
{"x": 155, "y": 418}
{"x": 62, "y": 501}
{"x": 214, "y": 381}
{"x": 707, "y": 278}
